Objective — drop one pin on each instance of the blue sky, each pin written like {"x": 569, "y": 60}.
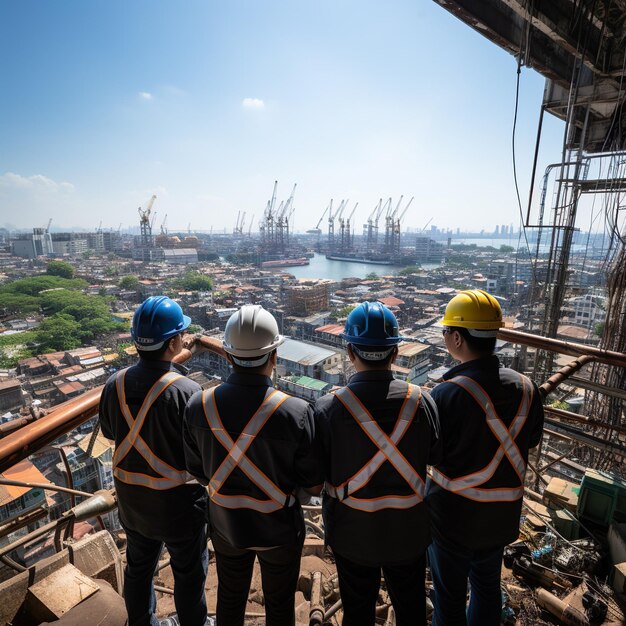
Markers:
{"x": 205, "y": 104}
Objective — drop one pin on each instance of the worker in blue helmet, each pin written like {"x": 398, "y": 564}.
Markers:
{"x": 141, "y": 409}
{"x": 378, "y": 434}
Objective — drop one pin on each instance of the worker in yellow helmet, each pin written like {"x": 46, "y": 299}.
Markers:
{"x": 490, "y": 416}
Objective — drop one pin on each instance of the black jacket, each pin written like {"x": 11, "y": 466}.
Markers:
{"x": 162, "y": 514}
{"x": 388, "y": 535}
{"x": 283, "y": 450}
{"x": 469, "y": 445}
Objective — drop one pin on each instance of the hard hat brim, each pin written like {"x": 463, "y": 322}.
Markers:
{"x": 256, "y": 351}
{"x": 366, "y": 341}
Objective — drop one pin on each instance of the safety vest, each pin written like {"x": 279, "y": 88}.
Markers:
{"x": 387, "y": 451}
{"x": 236, "y": 457}
{"x": 469, "y": 486}
{"x": 168, "y": 477}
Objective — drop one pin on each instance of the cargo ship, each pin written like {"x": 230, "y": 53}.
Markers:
{"x": 358, "y": 259}
{"x": 285, "y": 263}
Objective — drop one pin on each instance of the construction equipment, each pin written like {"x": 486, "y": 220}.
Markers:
{"x": 145, "y": 223}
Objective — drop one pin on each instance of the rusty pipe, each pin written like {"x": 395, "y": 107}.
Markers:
{"x": 44, "y": 486}
{"x": 316, "y": 613}
{"x": 609, "y": 357}
{"x": 20, "y": 444}
{"x": 564, "y": 373}
{"x": 583, "y": 419}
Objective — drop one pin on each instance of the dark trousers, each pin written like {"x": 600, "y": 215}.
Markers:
{"x": 450, "y": 569}
{"x": 280, "y": 568}
{"x": 188, "y": 560}
{"x": 359, "y": 586}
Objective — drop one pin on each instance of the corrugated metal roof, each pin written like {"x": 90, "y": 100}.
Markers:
{"x": 303, "y": 353}
{"x": 310, "y": 383}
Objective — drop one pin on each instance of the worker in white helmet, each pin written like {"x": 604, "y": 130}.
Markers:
{"x": 252, "y": 445}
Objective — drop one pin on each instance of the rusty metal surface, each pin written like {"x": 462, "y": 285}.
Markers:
{"x": 609, "y": 357}
{"x": 564, "y": 373}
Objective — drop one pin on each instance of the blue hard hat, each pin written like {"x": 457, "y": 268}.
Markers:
{"x": 371, "y": 324}
{"x": 157, "y": 319}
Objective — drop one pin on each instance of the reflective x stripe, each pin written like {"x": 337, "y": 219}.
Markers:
{"x": 387, "y": 451}
{"x": 466, "y": 486}
{"x": 169, "y": 476}
{"x": 236, "y": 457}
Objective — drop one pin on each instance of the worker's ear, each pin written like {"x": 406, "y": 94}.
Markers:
{"x": 351, "y": 354}
{"x": 394, "y": 354}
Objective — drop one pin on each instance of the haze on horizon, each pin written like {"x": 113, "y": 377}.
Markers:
{"x": 205, "y": 106}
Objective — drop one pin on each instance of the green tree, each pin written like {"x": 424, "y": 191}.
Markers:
{"x": 59, "y": 332}
{"x": 60, "y": 268}
{"x": 410, "y": 269}
{"x": 371, "y": 276}
{"x": 507, "y": 249}
{"x": 193, "y": 281}
{"x": 598, "y": 329}
{"x": 129, "y": 282}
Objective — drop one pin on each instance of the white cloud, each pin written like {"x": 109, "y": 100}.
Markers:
{"x": 37, "y": 183}
{"x": 252, "y": 103}
{"x": 146, "y": 95}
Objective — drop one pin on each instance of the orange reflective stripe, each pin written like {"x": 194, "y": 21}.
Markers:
{"x": 169, "y": 476}
{"x": 236, "y": 457}
{"x": 387, "y": 451}
{"x": 467, "y": 486}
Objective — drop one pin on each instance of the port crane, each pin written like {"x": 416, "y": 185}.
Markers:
{"x": 283, "y": 215}
{"x": 266, "y": 227}
{"x": 317, "y": 230}
{"x": 371, "y": 228}
{"x": 239, "y": 224}
{"x": 349, "y": 231}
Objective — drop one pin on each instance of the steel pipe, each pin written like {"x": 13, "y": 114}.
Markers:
{"x": 609, "y": 357}
{"x": 583, "y": 419}
{"x": 564, "y": 373}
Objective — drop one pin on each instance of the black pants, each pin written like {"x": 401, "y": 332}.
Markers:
{"x": 359, "y": 586}
{"x": 280, "y": 568}
{"x": 188, "y": 560}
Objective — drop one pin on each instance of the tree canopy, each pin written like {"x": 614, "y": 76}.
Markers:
{"x": 193, "y": 281}
{"x": 72, "y": 317}
{"x": 60, "y": 268}
{"x": 129, "y": 282}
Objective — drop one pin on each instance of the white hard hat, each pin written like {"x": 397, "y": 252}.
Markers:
{"x": 251, "y": 332}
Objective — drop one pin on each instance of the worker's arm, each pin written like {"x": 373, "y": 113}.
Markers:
{"x": 191, "y": 445}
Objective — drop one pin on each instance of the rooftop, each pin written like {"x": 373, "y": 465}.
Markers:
{"x": 303, "y": 353}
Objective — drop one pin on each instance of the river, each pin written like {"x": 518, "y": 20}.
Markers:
{"x": 321, "y": 267}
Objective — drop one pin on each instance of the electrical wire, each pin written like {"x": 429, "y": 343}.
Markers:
{"x": 514, "y": 158}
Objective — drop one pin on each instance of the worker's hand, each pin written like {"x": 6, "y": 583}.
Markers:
{"x": 191, "y": 343}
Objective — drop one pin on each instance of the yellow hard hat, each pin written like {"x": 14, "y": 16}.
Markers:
{"x": 474, "y": 309}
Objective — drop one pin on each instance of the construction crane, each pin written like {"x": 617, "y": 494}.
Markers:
{"x": 164, "y": 225}
{"x": 145, "y": 223}
{"x": 47, "y": 228}
{"x": 250, "y": 227}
